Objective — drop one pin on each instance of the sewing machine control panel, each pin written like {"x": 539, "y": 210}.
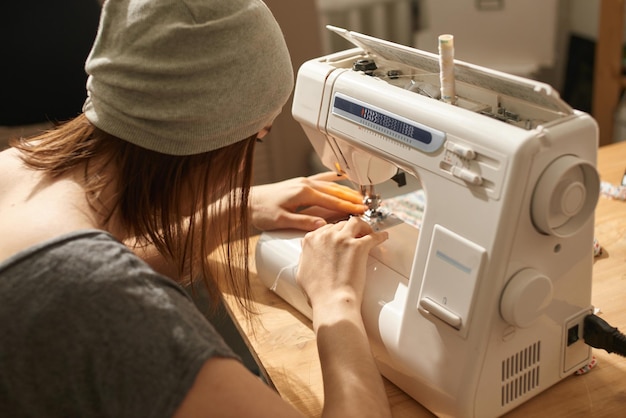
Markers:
{"x": 412, "y": 142}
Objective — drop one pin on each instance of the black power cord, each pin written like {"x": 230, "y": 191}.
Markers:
{"x": 599, "y": 334}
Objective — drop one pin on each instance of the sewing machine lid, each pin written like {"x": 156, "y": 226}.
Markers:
{"x": 535, "y": 92}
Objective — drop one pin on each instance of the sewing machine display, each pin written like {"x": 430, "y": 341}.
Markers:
{"x": 482, "y": 307}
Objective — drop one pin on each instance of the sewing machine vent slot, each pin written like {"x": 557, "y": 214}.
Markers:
{"x": 520, "y": 373}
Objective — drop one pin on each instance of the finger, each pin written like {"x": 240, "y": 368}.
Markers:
{"x": 326, "y": 182}
{"x": 334, "y": 203}
{"x": 331, "y": 216}
{"x": 362, "y": 229}
{"x": 379, "y": 237}
{"x": 302, "y": 222}
{"x": 354, "y": 227}
{"x": 338, "y": 190}
{"x": 373, "y": 239}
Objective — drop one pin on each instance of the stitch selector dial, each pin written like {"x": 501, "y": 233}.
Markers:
{"x": 565, "y": 196}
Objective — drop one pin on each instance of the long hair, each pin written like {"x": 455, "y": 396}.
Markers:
{"x": 186, "y": 206}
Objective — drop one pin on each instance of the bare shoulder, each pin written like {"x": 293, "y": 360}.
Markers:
{"x": 32, "y": 209}
{"x": 14, "y": 173}
{"x": 225, "y": 388}
{"x": 9, "y": 161}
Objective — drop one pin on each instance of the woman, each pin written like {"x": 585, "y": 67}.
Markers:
{"x": 100, "y": 217}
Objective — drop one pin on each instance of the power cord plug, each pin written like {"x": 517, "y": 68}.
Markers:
{"x": 599, "y": 334}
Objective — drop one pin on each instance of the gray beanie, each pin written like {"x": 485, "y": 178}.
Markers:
{"x": 184, "y": 77}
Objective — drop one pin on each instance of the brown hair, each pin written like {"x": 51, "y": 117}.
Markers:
{"x": 158, "y": 194}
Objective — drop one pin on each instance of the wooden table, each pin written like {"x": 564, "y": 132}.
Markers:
{"x": 284, "y": 342}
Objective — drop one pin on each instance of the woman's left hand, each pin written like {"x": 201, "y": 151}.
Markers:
{"x": 303, "y": 203}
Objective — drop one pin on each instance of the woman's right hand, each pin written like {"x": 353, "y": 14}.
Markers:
{"x": 332, "y": 273}
{"x": 333, "y": 261}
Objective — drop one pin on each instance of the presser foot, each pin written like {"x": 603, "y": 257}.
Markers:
{"x": 380, "y": 218}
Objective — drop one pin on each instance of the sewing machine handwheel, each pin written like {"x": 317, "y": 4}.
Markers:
{"x": 565, "y": 196}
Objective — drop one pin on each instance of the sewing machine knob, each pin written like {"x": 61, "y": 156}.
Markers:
{"x": 565, "y": 196}
{"x": 461, "y": 150}
{"x": 525, "y": 298}
{"x": 467, "y": 175}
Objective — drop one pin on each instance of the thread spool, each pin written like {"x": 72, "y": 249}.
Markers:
{"x": 446, "y": 68}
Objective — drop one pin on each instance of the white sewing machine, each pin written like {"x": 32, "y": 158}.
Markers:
{"x": 481, "y": 308}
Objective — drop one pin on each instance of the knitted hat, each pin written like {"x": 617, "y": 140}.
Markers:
{"x": 184, "y": 77}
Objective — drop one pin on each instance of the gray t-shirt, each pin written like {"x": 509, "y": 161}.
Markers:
{"x": 89, "y": 330}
